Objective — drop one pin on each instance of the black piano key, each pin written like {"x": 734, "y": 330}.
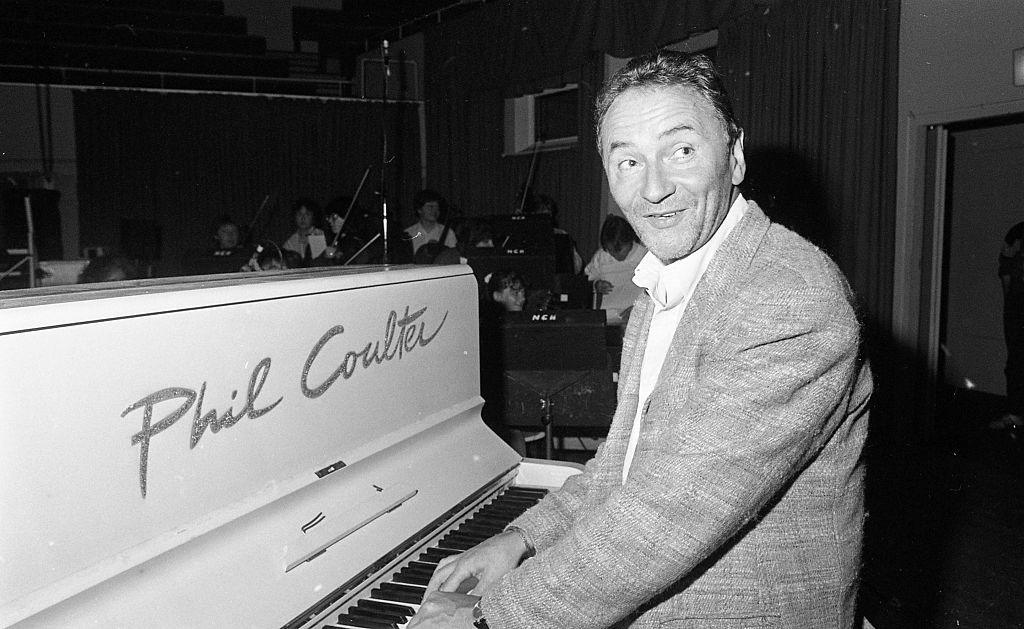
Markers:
{"x": 505, "y": 508}
{"x": 424, "y": 566}
{"x": 389, "y": 602}
{"x": 478, "y": 537}
{"x": 375, "y": 615}
{"x": 419, "y": 567}
{"x": 357, "y": 621}
{"x": 455, "y": 536}
{"x": 416, "y": 572}
{"x": 510, "y": 505}
{"x": 486, "y": 528}
{"x": 414, "y": 595}
{"x": 395, "y": 587}
{"x": 435, "y": 554}
{"x": 456, "y": 544}
{"x": 535, "y": 492}
{"x": 411, "y": 579}
{"x": 391, "y": 608}
{"x": 494, "y": 520}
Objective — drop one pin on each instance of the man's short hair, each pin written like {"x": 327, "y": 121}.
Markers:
{"x": 309, "y": 204}
{"x": 426, "y": 196}
{"x": 502, "y": 279}
{"x": 667, "y": 68}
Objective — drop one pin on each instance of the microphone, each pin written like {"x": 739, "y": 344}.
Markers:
{"x": 387, "y": 58}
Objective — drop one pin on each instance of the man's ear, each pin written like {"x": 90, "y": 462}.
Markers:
{"x": 738, "y": 161}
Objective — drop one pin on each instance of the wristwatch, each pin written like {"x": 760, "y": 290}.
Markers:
{"x": 478, "y": 617}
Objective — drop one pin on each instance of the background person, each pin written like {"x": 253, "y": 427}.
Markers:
{"x": 1011, "y": 277}
{"x": 611, "y": 269}
{"x": 429, "y": 229}
{"x": 307, "y": 240}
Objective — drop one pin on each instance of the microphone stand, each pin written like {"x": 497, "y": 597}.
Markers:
{"x": 384, "y": 151}
{"x": 529, "y": 177}
{"x": 351, "y": 205}
{"x": 255, "y": 217}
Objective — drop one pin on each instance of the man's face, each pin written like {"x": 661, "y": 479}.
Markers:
{"x": 430, "y": 212}
{"x": 304, "y": 218}
{"x": 670, "y": 168}
{"x": 511, "y": 297}
{"x": 227, "y": 236}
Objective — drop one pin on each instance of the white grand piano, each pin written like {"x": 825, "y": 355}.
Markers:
{"x": 282, "y": 450}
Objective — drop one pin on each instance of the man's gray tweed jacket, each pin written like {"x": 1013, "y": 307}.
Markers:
{"x": 744, "y": 502}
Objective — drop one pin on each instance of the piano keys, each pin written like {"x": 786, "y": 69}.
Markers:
{"x": 393, "y": 600}
{"x": 253, "y": 450}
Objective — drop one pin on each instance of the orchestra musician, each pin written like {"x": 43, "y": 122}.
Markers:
{"x": 308, "y": 240}
{"x": 729, "y": 491}
{"x": 429, "y": 230}
{"x": 349, "y": 228}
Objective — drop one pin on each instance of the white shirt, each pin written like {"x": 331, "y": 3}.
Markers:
{"x": 420, "y": 235}
{"x": 604, "y": 266}
{"x": 671, "y": 286}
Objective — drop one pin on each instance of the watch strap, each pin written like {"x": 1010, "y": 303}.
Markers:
{"x": 479, "y": 621}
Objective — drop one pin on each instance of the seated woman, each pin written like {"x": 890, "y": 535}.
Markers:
{"x": 429, "y": 230}
{"x": 611, "y": 269}
{"x": 308, "y": 241}
{"x": 505, "y": 292}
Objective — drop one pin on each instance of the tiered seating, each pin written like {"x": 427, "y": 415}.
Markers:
{"x": 180, "y": 36}
{"x": 359, "y": 25}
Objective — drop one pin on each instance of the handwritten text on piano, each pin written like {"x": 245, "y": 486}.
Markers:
{"x": 200, "y": 420}
{"x": 401, "y": 336}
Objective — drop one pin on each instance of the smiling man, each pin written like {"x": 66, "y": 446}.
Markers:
{"x": 729, "y": 492}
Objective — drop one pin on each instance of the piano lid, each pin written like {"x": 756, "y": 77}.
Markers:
{"x": 136, "y": 420}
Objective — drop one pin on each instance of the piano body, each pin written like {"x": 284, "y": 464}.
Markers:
{"x": 241, "y": 450}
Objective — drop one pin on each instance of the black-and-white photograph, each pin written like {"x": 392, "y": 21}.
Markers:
{"x": 512, "y": 314}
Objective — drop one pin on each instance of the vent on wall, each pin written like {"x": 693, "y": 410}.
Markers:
{"x": 545, "y": 121}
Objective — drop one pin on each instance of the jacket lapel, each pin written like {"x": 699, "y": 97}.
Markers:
{"x": 717, "y": 287}
{"x": 709, "y": 301}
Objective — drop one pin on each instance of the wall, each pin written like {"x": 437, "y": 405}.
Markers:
{"x": 955, "y": 64}
{"x": 987, "y": 197}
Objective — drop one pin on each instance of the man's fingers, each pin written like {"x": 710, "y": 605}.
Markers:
{"x": 455, "y": 577}
{"x": 444, "y": 568}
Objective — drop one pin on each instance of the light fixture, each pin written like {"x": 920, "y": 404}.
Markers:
{"x": 1018, "y": 66}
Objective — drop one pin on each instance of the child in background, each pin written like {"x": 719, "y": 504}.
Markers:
{"x": 611, "y": 269}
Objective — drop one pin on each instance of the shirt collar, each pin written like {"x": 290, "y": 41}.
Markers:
{"x": 670, "y": 284}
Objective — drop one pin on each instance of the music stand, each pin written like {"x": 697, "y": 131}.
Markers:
{"x": 547, "y": 353}
{"x": 29, "y": 257}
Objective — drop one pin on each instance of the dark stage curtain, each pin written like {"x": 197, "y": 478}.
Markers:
{"x": 511, "y": 48}
{"x": 813, "y": 82}
{"x": 171, "y": 164}
{"x": 464, "y": 126}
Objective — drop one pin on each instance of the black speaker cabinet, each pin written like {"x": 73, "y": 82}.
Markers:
{"x": 578, "y": 399}
{"x": 559, "y": 340}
